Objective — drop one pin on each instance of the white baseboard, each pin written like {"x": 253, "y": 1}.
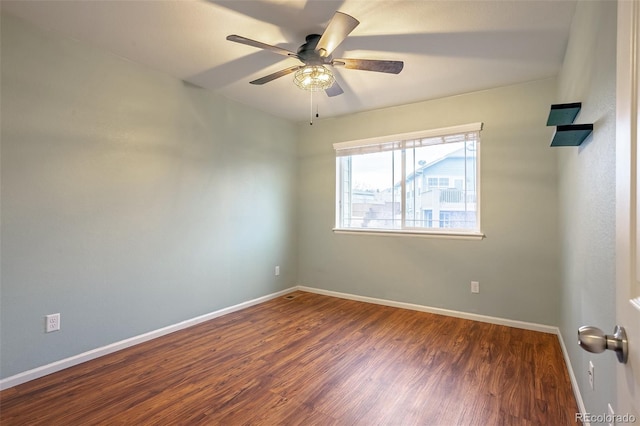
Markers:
{"x": 105, "y": 350}
{"x": 458, "y": 314}
{"x": 572, "y": 377}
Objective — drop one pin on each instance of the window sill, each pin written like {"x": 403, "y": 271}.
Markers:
{"x": 412, "y": 233}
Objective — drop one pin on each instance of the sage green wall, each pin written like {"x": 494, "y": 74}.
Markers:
{"x": 587, "y": 196}
{"x": 517, "y": 264}
{"x": 130, "y": 200}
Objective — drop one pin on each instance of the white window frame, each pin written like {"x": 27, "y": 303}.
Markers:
{"x": 397, "y": 142}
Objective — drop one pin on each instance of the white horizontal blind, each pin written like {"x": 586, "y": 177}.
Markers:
{"x": 461, "y": 137}
{"x": 465, "y": 132}
{"x": 369, "y": 149}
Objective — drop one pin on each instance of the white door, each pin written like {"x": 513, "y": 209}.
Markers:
{"x": 628, "y": 203}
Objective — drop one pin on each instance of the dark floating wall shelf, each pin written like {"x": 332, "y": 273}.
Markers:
{"x": 567, "y": 133}
{"x": 571, "y": 134}
{"x": 563, "y": 113}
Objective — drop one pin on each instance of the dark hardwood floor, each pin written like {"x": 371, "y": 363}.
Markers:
{"x": 312, "y": 360}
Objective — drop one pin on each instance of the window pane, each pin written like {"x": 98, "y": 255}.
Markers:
{"x": 373, "y": 199}
{"x": 439, "y": 173}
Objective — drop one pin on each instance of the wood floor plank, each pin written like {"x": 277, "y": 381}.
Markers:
{"x": 312, "y": 360}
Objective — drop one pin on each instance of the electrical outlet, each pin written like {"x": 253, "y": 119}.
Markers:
{"x": 475, "y": 287}
{"x": 277, "y": 271}
{"x": 52, "y": 323}
{"x": 590, "y": 374}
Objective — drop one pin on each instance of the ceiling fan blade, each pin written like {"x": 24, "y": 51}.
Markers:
{"x": 338, "y": 29}
{"x": 278, "y": 74}
{"x": 260, "y": 45}
{"x": 391, "y": 67}
{"x": 334, "y": 90}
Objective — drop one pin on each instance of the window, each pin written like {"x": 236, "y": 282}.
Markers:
{"x": 435, "y": 182}
{"x": 425, "y": 182}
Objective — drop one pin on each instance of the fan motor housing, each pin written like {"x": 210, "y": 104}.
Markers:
{"x": 308, "y": 54}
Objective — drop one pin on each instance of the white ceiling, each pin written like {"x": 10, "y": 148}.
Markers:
{"x": 448, "y": 47}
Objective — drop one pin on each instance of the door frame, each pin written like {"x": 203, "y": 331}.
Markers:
{"x": 627, "y": 197}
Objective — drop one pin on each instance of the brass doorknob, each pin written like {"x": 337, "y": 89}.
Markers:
{"x": 592, "y": 339}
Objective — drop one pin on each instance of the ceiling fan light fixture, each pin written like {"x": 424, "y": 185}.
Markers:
{"x": 314, "y": 78}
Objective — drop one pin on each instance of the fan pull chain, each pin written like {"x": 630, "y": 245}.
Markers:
{"x": 311, "y": 107}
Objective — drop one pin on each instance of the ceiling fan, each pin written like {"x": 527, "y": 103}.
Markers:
{"x": 315, "y": 54}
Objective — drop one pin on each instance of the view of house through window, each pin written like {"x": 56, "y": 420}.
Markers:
{"x": 425, "y": 182}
